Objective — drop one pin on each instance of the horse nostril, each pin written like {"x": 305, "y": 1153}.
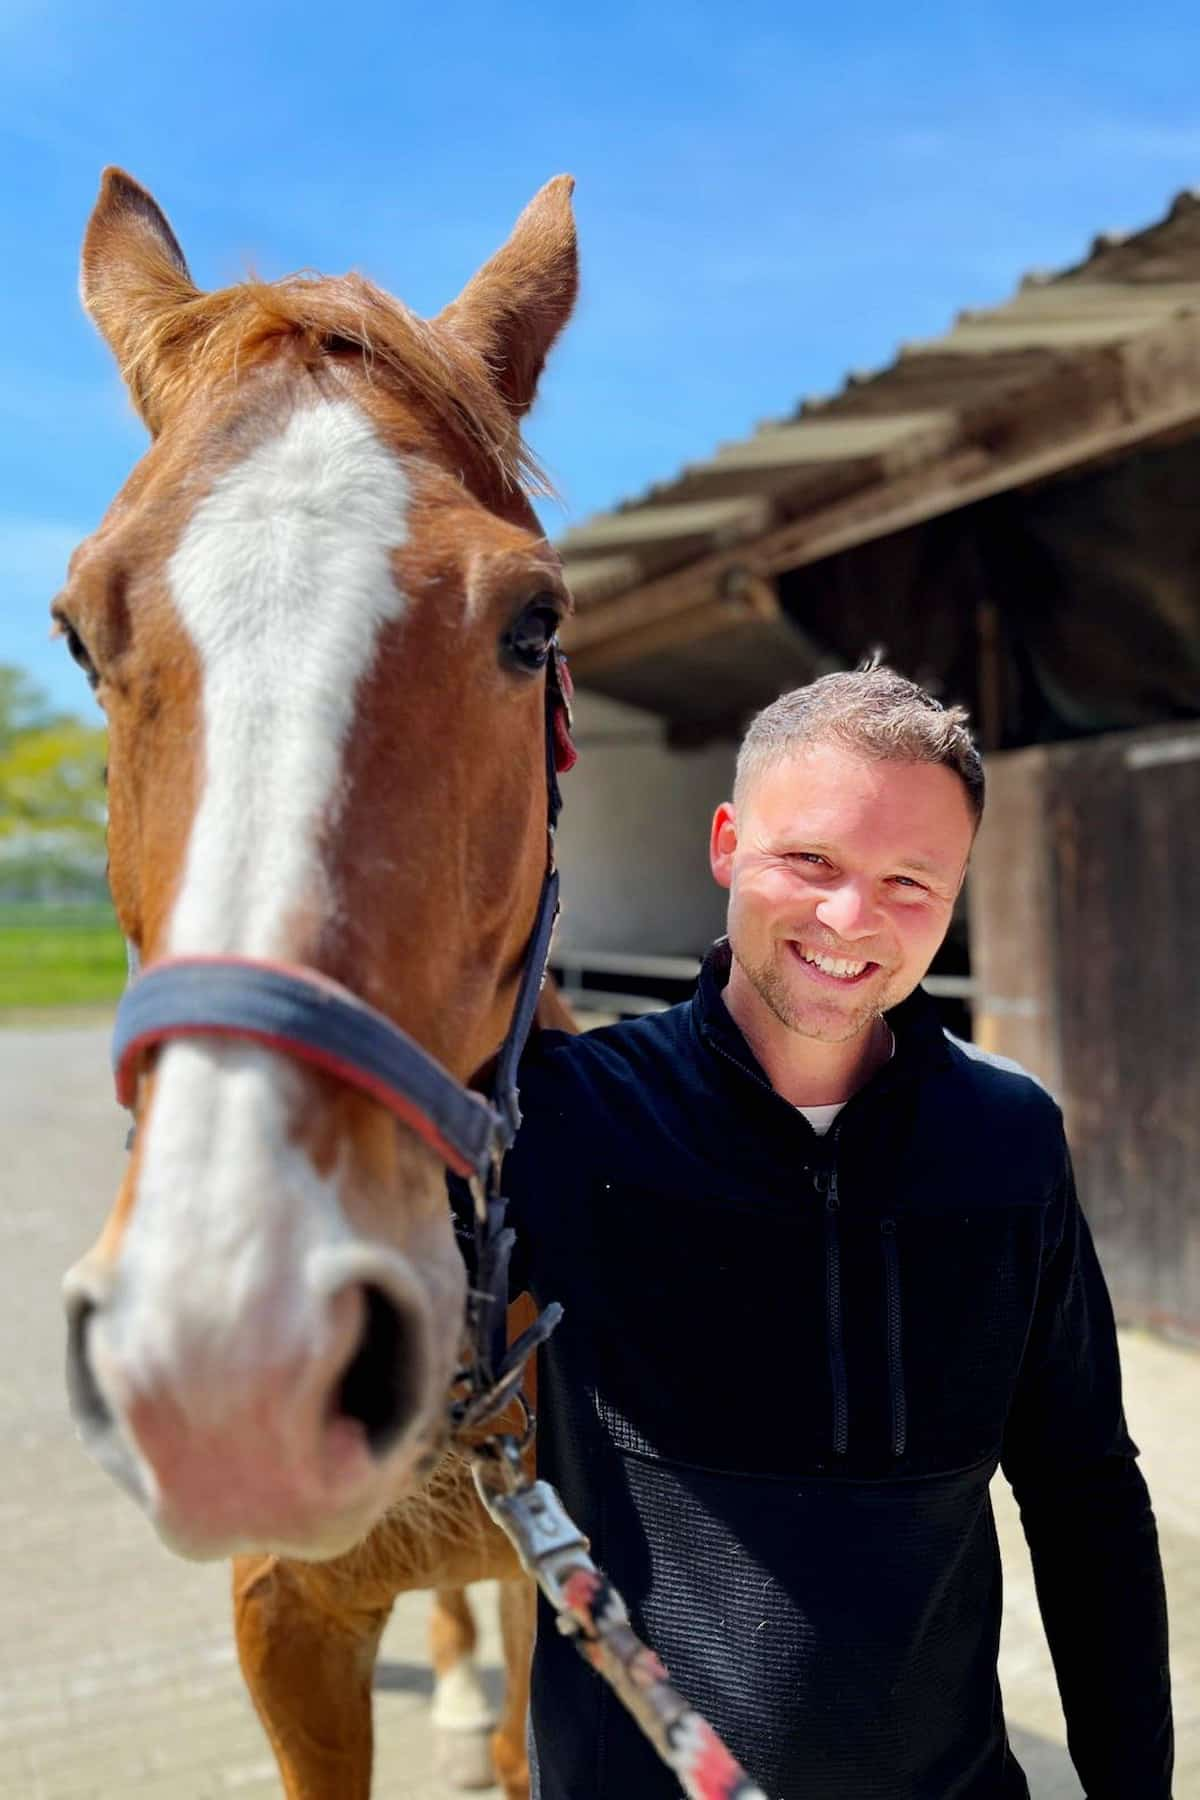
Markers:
{"x": 381, "y": 1384}
{"x": 88, "y": 1404}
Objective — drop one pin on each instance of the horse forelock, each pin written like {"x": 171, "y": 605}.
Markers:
{"x": 188, "y": 346}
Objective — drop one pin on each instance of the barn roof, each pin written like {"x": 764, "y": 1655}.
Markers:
{"x": 1074, "y": 368}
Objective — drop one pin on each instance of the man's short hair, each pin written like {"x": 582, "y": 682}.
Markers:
{"x": 871, "y": 710}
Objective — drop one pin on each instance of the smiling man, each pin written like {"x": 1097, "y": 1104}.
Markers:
{"x": 824, "y": 1271}
{"x": 843, "y": 866}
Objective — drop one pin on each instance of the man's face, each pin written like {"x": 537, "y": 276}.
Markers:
{"x": 842, "y": 875}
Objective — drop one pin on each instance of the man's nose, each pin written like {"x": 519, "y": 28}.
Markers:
{"x": 849, "y": 909}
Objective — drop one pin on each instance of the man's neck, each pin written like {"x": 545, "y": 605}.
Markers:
{"x": 805, "y": 1071}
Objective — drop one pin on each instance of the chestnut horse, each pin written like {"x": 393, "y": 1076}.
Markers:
{"x": 318, "y": 617}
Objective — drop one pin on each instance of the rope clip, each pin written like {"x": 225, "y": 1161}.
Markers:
{"x": 533, "y": 1517}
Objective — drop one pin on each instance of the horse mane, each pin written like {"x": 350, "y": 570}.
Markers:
{"x": 207, "y": 337}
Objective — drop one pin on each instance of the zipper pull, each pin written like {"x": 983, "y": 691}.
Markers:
{"x": 825, "y": 1182}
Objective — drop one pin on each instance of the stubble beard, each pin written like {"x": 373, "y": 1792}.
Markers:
{"x": 771, "y": 985}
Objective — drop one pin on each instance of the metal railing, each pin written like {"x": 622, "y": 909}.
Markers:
{"x": 573, "y": 965}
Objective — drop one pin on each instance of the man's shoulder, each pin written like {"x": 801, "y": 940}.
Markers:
{"x": 1004, "y": 1089}
{"x": 608, "y": 1053}
{"x": 999, "y": 1074}
{"x": 978, "y": 1123}
{"x": 583, "y": 1094}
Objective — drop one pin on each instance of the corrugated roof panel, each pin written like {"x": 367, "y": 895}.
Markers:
{"x": 1091, "y": 299}
{"x": 1030, "y": 332}
{"x": 1057, "y": 367}
{"x": 814, "y": 441}
{"x": 719, "y": 676}
{"x": 598, "y": 576}
{"x": 724, "y": 520}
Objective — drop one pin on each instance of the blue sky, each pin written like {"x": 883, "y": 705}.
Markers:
{"x": 768, "y": 196}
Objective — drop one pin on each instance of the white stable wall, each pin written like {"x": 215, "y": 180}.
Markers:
{"x": 633, "y": 842}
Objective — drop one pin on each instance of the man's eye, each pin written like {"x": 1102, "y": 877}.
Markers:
{"x": 810, "y": 856}
{"x": 907, "y": 881}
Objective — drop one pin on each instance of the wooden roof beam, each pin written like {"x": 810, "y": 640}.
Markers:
{"x": 1162, "y": 397}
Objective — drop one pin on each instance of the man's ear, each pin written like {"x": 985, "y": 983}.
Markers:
{"x": 722, "y": 844}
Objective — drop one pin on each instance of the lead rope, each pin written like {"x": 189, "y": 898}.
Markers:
{"x": 552, "y": 1548}
{"x": 590, "y": 1611}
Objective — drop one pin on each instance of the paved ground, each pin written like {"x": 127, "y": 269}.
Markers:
{"x": 117, "y": 1669}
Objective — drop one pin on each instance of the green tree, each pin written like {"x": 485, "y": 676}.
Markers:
{"x": 23, "y": 705}
{"x": 51, "y": 766}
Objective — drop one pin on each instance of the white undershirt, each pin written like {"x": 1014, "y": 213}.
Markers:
{"x": 822, "y": 1117}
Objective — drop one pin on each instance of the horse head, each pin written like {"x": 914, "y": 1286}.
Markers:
{"x": 318, "y": 617}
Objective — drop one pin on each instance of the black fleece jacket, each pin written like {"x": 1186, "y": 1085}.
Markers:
{"x": 788, "y": 1369}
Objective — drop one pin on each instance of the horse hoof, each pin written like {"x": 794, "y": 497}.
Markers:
{"x": 463, "y": 1759}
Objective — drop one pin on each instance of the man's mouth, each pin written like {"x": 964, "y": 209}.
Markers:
{"x": 831, "y": 968}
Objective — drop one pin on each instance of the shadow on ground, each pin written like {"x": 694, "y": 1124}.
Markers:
{"x": 1047, "y": 1766}
{"x": 417, "y": 1678}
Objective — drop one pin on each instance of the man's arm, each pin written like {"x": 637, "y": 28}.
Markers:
{"x": 1089, "y": 1524}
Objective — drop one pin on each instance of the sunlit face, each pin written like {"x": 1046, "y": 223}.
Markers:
{"x": 842, "y": 874}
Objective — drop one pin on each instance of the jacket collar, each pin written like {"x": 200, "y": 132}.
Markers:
{"x": 920, "y": 1039}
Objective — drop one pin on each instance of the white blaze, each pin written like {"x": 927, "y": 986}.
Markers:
{"x": 283, "y": 583}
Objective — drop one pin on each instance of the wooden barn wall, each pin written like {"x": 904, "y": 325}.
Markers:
{"x": 1123, "y": 816}
{"x": 633, "y": 841}
{"x": 1010, "y": 909}
{"x": 1088, "y": 875}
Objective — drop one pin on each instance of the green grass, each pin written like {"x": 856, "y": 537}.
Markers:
{"x": 60, "y": 956}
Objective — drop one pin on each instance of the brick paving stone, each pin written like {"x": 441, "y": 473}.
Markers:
{"x": 118, "y": 1676}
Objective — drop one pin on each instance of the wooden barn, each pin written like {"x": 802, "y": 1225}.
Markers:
{"x": 1012, "y": 511}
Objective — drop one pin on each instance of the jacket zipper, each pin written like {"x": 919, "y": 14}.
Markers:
{"x": 826, "y": 1182}
{"x": 895, "y": 1342}
{"x": 748, "y": 1073}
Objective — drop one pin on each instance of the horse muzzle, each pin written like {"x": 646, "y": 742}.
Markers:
{"x": 291, "y": 1429}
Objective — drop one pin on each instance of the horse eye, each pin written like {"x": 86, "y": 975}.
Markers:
{"x": 77, "y": 651}
{"x": 526, "y": 643}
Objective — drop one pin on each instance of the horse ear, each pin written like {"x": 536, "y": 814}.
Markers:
{"x": 514, "y": 308}
{"x": 132, "y": 275}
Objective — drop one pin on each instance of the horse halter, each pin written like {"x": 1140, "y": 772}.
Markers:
{"x": 303, "y": 1013}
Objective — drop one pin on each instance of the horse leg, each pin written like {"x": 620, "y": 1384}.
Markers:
{"x": 307, "y": 1655}
{"x": 462, "y": 1717}
{"x": 518, "y": 1619}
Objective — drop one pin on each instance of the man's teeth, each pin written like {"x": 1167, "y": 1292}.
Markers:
{"x": 833, "y": 965}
